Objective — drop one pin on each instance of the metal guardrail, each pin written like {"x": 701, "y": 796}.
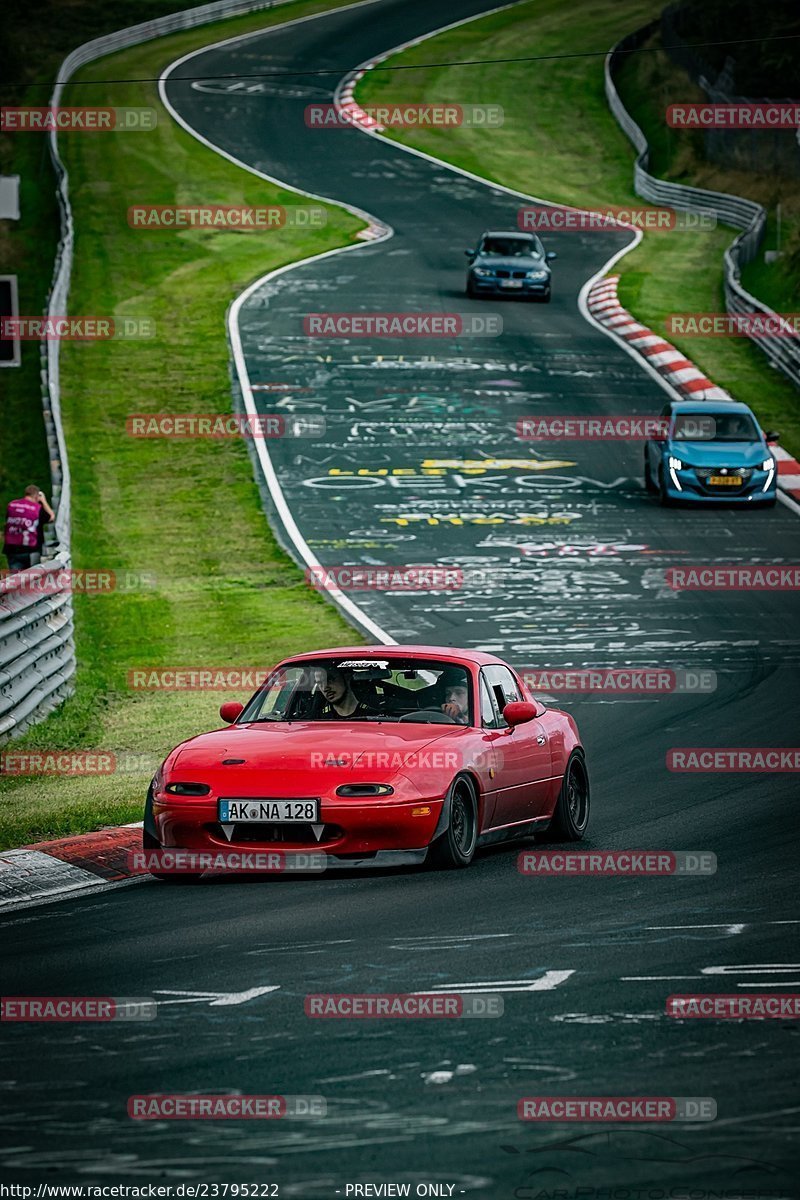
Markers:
{"x": 783, "y": 351}
{"x": 37, "y": 651}
{"x": 37, "y": 648}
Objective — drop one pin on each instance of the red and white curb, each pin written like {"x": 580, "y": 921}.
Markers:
{"x": 347, "y": 106}
{"x": 68, "y": 867}
{"x": 351, "y": 111}
{"x": 683, "y": 375}
{"x": 788, "y": 472}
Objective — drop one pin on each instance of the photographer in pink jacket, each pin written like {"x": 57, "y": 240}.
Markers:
{"x": 24, "y": 531}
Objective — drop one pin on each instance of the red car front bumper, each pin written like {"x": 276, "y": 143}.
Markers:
{"x": 352, "y": 828}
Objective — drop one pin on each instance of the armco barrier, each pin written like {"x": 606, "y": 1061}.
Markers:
{"x": 37, "y": 653}
{"x": 783, "y": 352}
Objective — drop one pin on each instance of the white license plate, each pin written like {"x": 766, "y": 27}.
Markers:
{"x": 515, "y": 283}
{"x": 244, "y": 812}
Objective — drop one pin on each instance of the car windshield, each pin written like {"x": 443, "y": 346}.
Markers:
{"x": 511, "y": 247}
{"x": 331, "y": 689}
{"x": 715, "y": 427}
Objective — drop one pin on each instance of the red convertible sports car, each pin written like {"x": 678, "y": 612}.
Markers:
{"x": 377, "y": 755}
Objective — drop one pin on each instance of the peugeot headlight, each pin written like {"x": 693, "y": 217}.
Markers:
{"x": 675, "y": 464}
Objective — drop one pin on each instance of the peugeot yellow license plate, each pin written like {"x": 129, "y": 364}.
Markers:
{"x": 725, "y": 480}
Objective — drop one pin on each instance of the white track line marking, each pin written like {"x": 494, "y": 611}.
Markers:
{"x": 215, "y": 999}
{"x": 546, "y": 983}
{"x": 276, "y": 492}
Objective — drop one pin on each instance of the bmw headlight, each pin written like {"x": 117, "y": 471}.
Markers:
{"x": 480, "y": 271}
{"x": 675, "y": 464}
{"x": 538, "y": 275}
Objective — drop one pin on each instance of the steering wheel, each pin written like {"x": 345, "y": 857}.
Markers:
{"x": 429, "y": 716}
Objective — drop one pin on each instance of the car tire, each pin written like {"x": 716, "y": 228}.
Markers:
{"x": 151, "y": 843}
{"x": 649, "y": 482}
{"x": 571, "y": 814}
{"x": 470, "y": 290}
{"x": 664, "y": 499}
{"x": 455, "y": 848}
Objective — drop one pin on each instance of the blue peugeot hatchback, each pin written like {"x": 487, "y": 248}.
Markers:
{"x": 711, "y": 450}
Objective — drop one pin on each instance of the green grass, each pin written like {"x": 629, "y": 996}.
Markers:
{"x": 27, "y": 248}
{"x": 647, "y": 83}
{"x": 33, "y": 43}
{"x": 560, "y": 142}
{"x": 188, "y": 512}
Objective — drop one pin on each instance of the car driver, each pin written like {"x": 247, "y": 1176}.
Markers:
{"x": 341, "y": 702}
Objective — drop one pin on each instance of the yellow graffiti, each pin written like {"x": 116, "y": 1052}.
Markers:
{"x": 466, "y": 466}
{"x": 467, "y": 520}
{"x": 478, "y": 466}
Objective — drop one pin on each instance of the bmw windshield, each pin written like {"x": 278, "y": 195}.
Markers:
{"x": 511, "y": 247}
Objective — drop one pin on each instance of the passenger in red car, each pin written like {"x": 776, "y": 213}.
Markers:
{"x": 341, "y": 701}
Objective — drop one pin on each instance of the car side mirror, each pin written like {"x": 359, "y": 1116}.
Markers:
{"x": 772, "y": 436}
{"x": 470, "y": 253}
{"x": 518, "y": 712}
{"x": 230, "y": 711}
{"x": 550, "y": 255}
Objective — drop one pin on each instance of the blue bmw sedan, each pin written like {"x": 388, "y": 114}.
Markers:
{"x": 512, "y": 264}
{"x": 711, "y": 450}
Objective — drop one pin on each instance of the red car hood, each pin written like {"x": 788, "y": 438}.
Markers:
{"x": 297, "y": 751}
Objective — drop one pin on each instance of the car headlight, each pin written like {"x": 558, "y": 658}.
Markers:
{"x": 538, "y": 275}
{"x": 365, "y": 789}
{"x": 768, "y": 464}
{"x": 675, "y": 464}
{"x": 480, "y": 271}
{"x": 187, "y": 789}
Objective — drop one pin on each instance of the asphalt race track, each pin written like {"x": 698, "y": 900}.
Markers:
{"x": 565, "y": 556}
